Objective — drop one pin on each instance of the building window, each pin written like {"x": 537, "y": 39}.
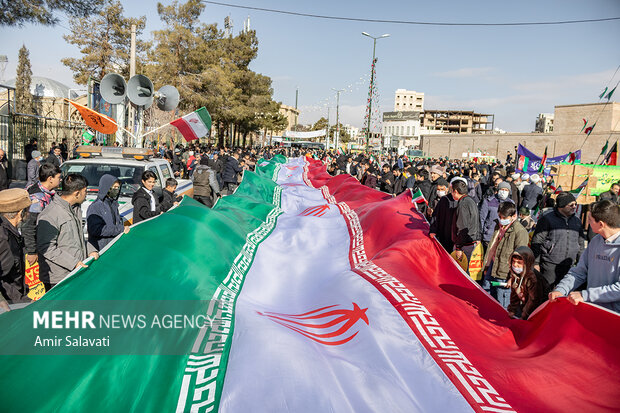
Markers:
{"x": 408, "y": 130}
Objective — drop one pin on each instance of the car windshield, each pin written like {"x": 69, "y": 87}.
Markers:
{"x": 128, "y": 175}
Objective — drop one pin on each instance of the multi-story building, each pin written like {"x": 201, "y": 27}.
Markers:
{"x": 408, "y": 100}
{"x": 291, "y": 114}
{"x": 457, "y": 121}
{"x": 402, "y": 127}
{"x": 352, "y": 131}
{"x": 544, "y": 123}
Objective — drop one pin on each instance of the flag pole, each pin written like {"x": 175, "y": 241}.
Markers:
{"x": 154, "y": 130}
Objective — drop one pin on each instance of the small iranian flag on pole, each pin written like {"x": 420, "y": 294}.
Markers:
{"x": 417, "y": 197}
{"x": 194, "y": 125}
{"x": 340, "y": 151}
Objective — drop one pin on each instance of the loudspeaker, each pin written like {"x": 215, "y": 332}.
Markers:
{"x": 113, "y": 88}
{"x": 140, "y": 91}
{"x": 167, "y": 98}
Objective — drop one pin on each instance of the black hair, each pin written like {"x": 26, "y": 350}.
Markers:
{"x": 171, "y": 182}
{"x": 506, "y": 209}
{"x": 607, "y": 212}
{"x": 460, "y": 187}
{"x": 48, "y": 170}
{"x": 423, "y": 173}
{"x": 146, "y": 175}
{"x": 73, "y": 183}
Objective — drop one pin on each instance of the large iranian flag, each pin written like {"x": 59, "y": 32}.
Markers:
{"x": 324, "y": 296}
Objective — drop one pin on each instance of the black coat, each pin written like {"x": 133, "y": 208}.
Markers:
{"x": 531, "y": 196}
{"x": 141, "y": 201}
{"x": 12, "y": 280}
{"x": 558, "y": 239}
{"x": 231, "y": 169}
{"x": 466, "y": 223}
{"x": 441, "y": 221}
{"x": 53, "y": 160}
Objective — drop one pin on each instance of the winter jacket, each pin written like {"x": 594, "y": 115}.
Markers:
{"x": 386, "y": 182}
{"x": 514, "y": 237}
{"x": 103, "y": 219}
{"x": 33, "y": 172}
{"x": 231, "y": 170}
{"x": 441, "y": 221}
{"x": 205, "y": 182}
{"x": 142, "y": 210}
{"x": 474, "y": 190}
{"x": 515, "y": 194}
{"x": 558, "y": 239}
{"x": 424, "y": 186}
{"x": 53, "y": 159}
{"x": 40, "y": 198}
{"x": 60, "y": 240}
{"x": 466, "y": 223}
{"x": 527, "y": 289}
{"x": 369, "y": 180}
{"x": 12, "y": 264}
{"x": 531, "y": 195}
{"x": 489, "y": 216}
{"x": 610, "y": 195}
{"x": 399, "y": 184}
{"x": 167, "y": 200}
{"x": 599, "y": 266}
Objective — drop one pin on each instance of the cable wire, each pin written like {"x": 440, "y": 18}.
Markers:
{"x": 421, "y": 23}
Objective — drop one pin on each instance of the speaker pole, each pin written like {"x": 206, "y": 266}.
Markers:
{"x": 132, "y": 72}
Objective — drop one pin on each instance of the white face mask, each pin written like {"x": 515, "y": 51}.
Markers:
{"x": 517, "y": 270}
{"x": 441, "y": 193}
{"x": 502, "y": 194}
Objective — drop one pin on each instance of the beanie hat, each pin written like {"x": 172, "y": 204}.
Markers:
{"x": 35, "y": 154}
{"x": 503, "y": 185}
{"x": 563, "y": 199}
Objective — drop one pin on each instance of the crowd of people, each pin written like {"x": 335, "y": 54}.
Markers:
{"x": 533, "y": 236}
{"x": 42, "y": 224}
{"x": 534, "y": 241}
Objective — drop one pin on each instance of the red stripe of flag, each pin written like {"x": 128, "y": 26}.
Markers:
{"x": 185, "y": 129}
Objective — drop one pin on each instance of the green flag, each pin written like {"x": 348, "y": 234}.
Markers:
{"x": 604, "y": 150}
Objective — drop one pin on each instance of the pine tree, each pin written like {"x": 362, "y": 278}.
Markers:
{"x": 23, "y": 98}
{"x": 17, "y": 13}
{"x": 104, "y": 40}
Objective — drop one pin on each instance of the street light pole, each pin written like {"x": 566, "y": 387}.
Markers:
{"x": 337, "y": 140}
{"x": 372, "y": 81}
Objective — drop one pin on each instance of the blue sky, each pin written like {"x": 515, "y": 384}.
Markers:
{"x": 512, "y": 72}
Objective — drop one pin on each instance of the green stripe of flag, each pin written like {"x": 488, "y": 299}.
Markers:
{"x": 185, "y": 254}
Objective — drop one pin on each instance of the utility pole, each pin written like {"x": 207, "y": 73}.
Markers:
{"x": 327, "y": 131}
{"x": 337, "y": 140}
{"x": 372, "y": 82}
{"x": 296, "y": 98}
{"x": 132, "y": 72}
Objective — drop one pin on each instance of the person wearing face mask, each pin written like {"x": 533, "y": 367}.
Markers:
{"x": 14, "y": 204}
{"x": 558, "y": 239}
{"x": 508, "y": 235}
{"x": 527, "y": 287}
{"x": 598, "y": 266}
{"x": 488, "y": 211}
{"x": 103, "y": 220}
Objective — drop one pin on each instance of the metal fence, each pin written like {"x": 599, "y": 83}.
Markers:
{"x": 17, "y": 130}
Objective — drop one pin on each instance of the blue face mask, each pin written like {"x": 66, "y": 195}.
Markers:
{"x": 517, "y": 270}
{"x": 504, "y": 222}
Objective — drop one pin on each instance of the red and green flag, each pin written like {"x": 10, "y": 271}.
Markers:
{"x": 589, "y": 129}
{"x": 604, "y": 150}
{"x": 543, "y": 162}
{"x": 417, "y": 197}
{"x": 523, "y": 163}
{"x": 612, "y": 156}
{"x": 194, "y": 125}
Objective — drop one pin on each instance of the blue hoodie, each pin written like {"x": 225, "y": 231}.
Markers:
{"x": 103, "y": 219}
{"x": 598, "y": 266}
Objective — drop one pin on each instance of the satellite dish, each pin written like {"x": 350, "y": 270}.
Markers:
{"x": 167, "y": 98}
{"x": 140, "y": 91}
{"x": 113, "y": 88}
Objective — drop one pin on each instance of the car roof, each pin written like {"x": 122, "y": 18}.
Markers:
{"x": 117, "y": 161}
